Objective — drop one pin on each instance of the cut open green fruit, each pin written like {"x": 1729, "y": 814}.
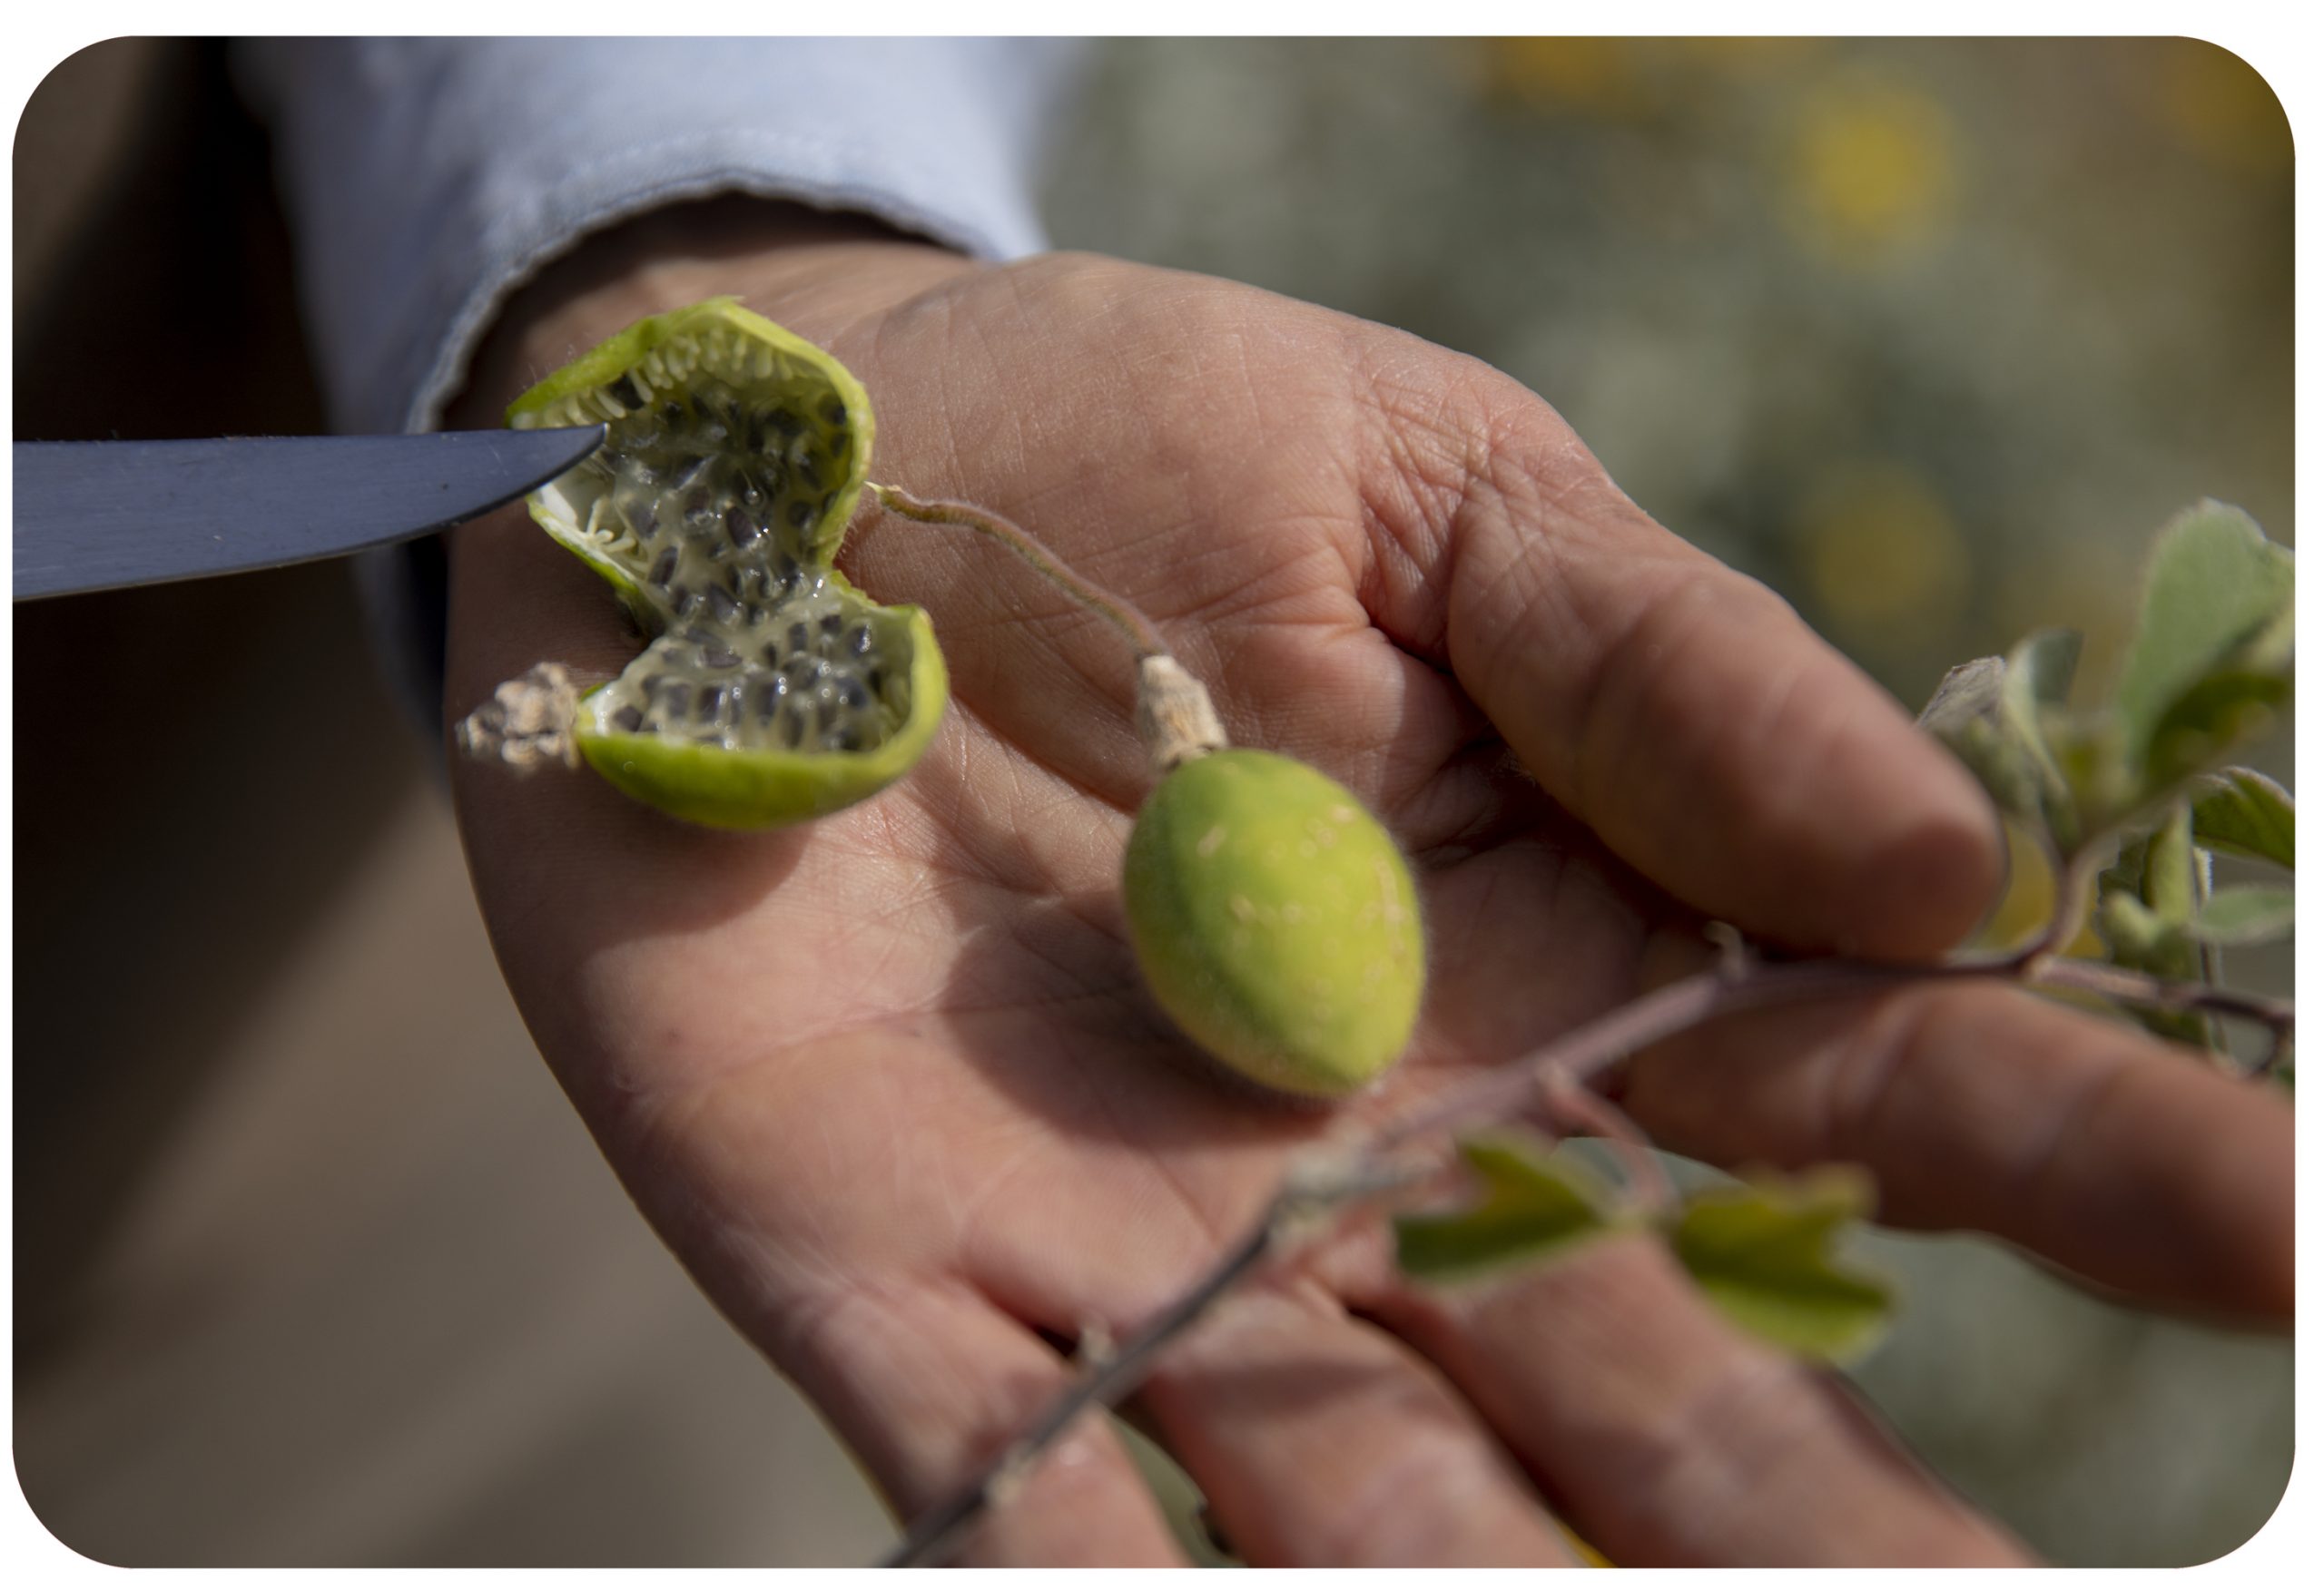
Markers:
{"x": 773, "y": 691}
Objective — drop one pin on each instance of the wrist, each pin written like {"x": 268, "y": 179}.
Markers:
{"x": 810, "y": 270}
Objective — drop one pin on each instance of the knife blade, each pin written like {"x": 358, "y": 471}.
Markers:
{"x": 96, "y": 515}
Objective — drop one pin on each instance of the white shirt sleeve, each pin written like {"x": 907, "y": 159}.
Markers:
{"x": 426, "y": 179}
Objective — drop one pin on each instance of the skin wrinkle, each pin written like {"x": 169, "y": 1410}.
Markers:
{"x": 2033, "y": 1182}
{"x": 1861, "y": 1077}
{"x": 1633, "y": 656}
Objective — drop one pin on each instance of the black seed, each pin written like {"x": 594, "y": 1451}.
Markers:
{"x": 773, "y": 653}
{"x": 629, "y": 718}
{"x": 672, "y": 411}
{"x": 706, "y": 704}
{"x": 852, "y": 694}
{"x": 874, "y": 679}
{"x": 686, "y": 598}
{"x": 797, "y": 637}
{"x": 739, "y": 528}
{"x": 850, "y": 738}
{"x": 701, "y": 636}
{"x": 827, "y": 711}
{"x": 674, "y": 698}
{"x": 765, "y": 696}
{"x": 835, "y": 412}
{"x": 831, "y": 622}
{"x": 827, "y": 503}
{"x": 801, "y": 515}
{"x": 786, "y": 424}
{"x": 794, "y": 726}
{"x": 692, "y": 475}
{"x": 858, "y": 640}
{"x": 665, "y": 566}
{"x": 715, "y": 656}
{"x": 723, "y": 607}
{"x": 625, "y": 393}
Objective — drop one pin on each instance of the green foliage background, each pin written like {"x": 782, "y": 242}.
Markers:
{"x": 1930, "y": 334}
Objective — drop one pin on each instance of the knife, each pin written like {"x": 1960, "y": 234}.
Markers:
{"x": 94, "y": 515}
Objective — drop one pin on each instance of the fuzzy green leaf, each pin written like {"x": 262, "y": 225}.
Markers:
{"x": 2173, "y": 884}
{"x": 2255, "y": 913}
{"x": 1531, "y": 1204}
{"x": 1992, "y": 714}
{"x": 1763, "y": 1254}
{"x": 2215, "y": 586}
{"x": 2215, "y": 716}
{"x": 2244, "y": 813}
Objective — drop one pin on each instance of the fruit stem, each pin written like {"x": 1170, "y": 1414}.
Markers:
{"x": 1176, "y": 719}
{"x": 1144, "y": 640}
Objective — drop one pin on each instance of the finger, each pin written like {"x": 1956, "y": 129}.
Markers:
{"x": 1681, "y": 710}
{"x": 927, "y": 1384}
{"x": 1320, "y": 1442}
{"x": 1667, "y": 1438}
{"x": 2128, "y": 1162}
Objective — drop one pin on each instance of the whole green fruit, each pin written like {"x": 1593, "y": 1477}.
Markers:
{"x": 772, "y": 690}
{"x": 1275, "y": 921}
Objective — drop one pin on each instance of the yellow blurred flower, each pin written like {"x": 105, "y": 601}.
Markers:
{"x": 1597, "y": 77}
{"x": 2214, "y": 101}
{"x": 1870, "y": 170}
{"x": 1883, "y": 558}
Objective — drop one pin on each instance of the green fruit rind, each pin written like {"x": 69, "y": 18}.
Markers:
{"x": 771, "y": 691}
{"x": 583, "y": 393}
{"x": 1276, "y": 922}
{"x": 760, "y": 789}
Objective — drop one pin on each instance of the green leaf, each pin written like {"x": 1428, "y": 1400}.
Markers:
{"x": 2040, "y": 669}
{"x": 1993, "y": 715}
{"x": 1763, "y": 1256}
{"x": 1531, "y": 1204}
{"x": 2246, "y": 814}
{"x": 2248, "y": 914}
{"x": 2170, "y": 885}
{"x": 2215, "y": 586}
{"x": 2216, "y": 716}
{"x": 2146, "y": 902}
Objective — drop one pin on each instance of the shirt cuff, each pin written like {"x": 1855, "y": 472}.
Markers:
{"x": 427, "y": 180}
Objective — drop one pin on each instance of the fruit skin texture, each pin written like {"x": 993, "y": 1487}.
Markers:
{"x": 1276, "y": 922}
{"x": 734, "y": 455}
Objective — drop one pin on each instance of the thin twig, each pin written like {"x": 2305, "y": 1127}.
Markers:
{"x": 1646, "y": 1184}
{"x": 1320, "y": 1184}
{"x": 2161, "y": 994}
{"x": 1123, "y": 614}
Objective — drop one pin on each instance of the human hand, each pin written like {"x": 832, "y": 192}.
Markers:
{"x": 891, "y": 1088}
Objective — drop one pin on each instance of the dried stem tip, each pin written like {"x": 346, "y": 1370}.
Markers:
{"x": 1174, "y": 717}
{"x": 528, "y": 721}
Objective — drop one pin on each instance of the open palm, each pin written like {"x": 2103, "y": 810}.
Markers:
{"x": 890, "y": 1085}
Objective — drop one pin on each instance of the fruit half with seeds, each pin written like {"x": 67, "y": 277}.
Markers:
{"x": 1276, "y": 922}
{"x": 772, "y": 690}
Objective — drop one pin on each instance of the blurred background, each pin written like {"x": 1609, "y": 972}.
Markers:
{"x": 312, "y": 1264}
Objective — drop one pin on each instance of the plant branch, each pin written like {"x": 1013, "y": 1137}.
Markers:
{"x": 2141, "y": 989}
{"x": 1322, "y": 1184}
{"x": 1315, "y": 1188}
